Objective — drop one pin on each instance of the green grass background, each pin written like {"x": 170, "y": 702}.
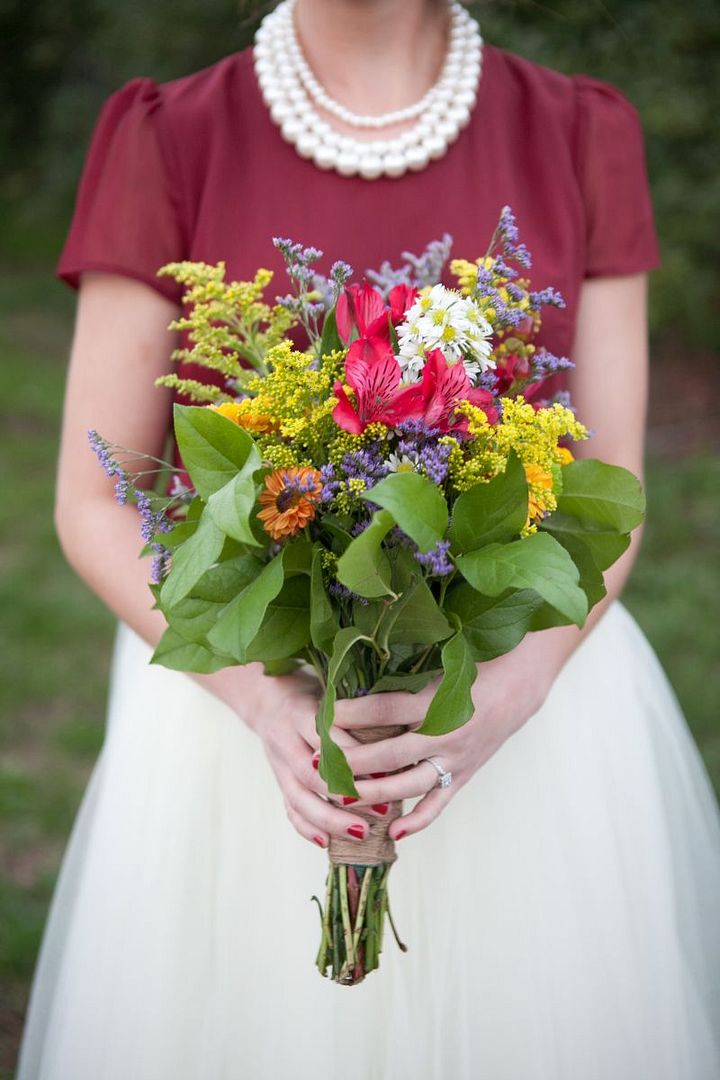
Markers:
{"x": 57, "y": 636}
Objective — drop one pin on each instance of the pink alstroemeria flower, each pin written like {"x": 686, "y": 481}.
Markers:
{"x": 373, "y": 373}
{"x": 361, "y": 308}
{"x": 436, "y": 397}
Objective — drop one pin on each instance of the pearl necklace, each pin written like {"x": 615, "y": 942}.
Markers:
{"x": 289, "y": 89}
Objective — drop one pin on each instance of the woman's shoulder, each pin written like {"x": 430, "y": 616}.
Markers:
{"x": 537, "y": 88}
{"x": 189, "y": 105}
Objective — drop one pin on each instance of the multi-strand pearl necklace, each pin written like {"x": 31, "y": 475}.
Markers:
{"x": 291, "y": 92}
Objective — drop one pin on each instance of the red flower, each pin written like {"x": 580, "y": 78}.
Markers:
{"x": 400, "y": 299}
{"x": 372, "y": 371}
{"x": 510, "y": 368}
{"x": 361, "y": 308}
{"x": 436, "y": 397}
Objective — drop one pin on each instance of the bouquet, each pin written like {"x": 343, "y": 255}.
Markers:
{"x": 373, "y": 484}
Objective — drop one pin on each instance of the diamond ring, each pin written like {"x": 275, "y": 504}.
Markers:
{"x": 444, "y": 777}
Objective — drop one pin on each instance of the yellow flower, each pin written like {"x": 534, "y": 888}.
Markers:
{"x": 564, "y": 456}
{"x": 540, "y": 485}
{"x": 230, "y": 410}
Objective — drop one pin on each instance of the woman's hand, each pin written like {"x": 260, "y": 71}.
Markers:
{"x": 284, "y": 718}
{"x": 508, "y": 691}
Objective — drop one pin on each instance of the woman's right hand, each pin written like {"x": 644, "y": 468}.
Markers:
{"x": 284, "y": 718}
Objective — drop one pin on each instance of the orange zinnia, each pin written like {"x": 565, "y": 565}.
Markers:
{"x": 289, "y": 501}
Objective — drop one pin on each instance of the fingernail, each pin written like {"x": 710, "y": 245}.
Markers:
{"x": 399, "y": 836}
{"x": 319, "y": 841}
{"x": 316, "y": 761}
{"x": 381, "y": 808}
{"x": 347, "y": 799}
{"x": 357, "y": 831}
{"x": 378, "y": 775}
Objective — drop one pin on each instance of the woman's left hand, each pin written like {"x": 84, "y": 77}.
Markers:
{"x": 505, "y": 695}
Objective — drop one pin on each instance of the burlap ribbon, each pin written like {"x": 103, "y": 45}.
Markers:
{"x": 377, "y": 847}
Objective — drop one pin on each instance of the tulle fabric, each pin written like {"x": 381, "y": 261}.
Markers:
{"x": 561, "y": 914}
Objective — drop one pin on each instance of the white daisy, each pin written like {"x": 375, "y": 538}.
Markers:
{"x": 444, "y": 319}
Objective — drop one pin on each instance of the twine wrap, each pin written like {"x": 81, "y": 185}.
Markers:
{"x": 377, "y": 848}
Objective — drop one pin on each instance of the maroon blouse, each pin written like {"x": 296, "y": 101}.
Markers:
{"x": 194, "y": 168}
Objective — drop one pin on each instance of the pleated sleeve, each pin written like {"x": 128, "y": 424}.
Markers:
{"x": 609, "y": 150}
{"x": 128, "y": 210}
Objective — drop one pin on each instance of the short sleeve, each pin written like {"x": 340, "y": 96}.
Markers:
{"x": 127, "y": 216}
{"x": 609, "y": 149}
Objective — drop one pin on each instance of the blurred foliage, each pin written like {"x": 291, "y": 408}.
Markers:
{"x": 59, "y": 62}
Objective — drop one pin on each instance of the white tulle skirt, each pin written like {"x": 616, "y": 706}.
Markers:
{"x": 562, "y": 914}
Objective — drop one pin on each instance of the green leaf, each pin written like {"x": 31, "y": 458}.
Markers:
{"x": 410, "y": 681}
{"x": 363, "y": 567}
{"x": 285, "y": 629}
{"x": 493, "y": 625}
{"x": 190, "y": 561}
{"x": 240, "y": 621}
{"x": 605, "y": 495}
{"x": 213, "y": 448}
{"x": 591, "y": 582}
{"x": 298, "y": 557}
{"x": 605, "y": 547}
{"x": 452, "y": 706}
{"x": 414, "y": 619}
{"x": 323, "y": 619}
{"x": 281, "y": 667}
{"x": 415, "y": 503}
{"x": 193, "y": 617}
{"x": 492, "y": 512}
{"x": 330, "y": 341}
{"x": 538, "y": 562}
{"x": 333, "y": 766}
{"x": 231, "y": 506}
{"x": 173, "y": 651}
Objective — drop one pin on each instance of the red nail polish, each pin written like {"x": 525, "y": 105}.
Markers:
{"x": 378, "y": 775}
{"x": 347, "y": 799}
{"x": 319, "y": 841}
{"x": 356, "y": 830}
{"x": 403, "y": 832}
{"x": 381, "y": 808}
{"x": 316, "y": 761}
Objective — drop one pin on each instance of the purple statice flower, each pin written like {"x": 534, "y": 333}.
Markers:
{"x": 366, "y": 464}
{"x": 547, "y": 296}
{"x": 330, "y": 485}
{"x": 507, "y": 235}
{"x": 436, "y": 560}
{"x": 341, "y": 592}
{"x": 546, "y": 363}
{"x": 420, "y": 444}
{"x": 160, "y": 562}
{"x": 151, "y": 521}
{"x": 103, "y": 451}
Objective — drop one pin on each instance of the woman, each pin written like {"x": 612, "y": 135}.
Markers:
{"x": 560, "y": 912}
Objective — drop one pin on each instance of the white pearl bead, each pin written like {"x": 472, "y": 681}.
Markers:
{"x": 460, "y": 115}
{"x": 371, "y": 166}
{"x": 394, "y": 164}
{"x": 447, "y": 130}
{"x": 325, "y": 157}
{"x": 466, "y": 98}
{"x": 416, "y": 158}
{"x": 291, "y": 130}
{"x": 280, "y": 111}
{"x": 435, "y": 146}
{"x": 347, "y": 163}
{"x": 307, "y": 144}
